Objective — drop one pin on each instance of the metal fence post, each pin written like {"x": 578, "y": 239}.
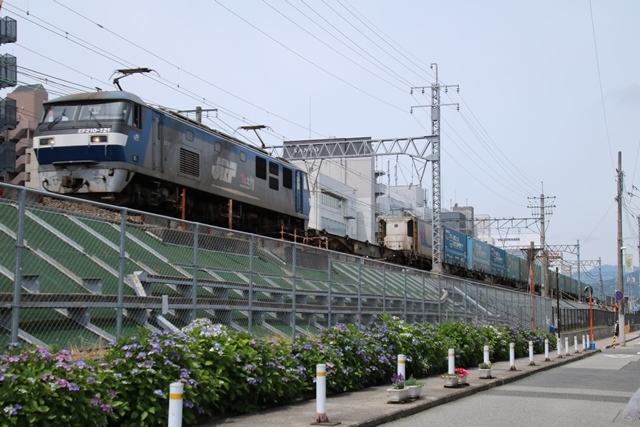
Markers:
{"x": 384, "y": 289}
{"x": 250, "y": 303}
{"x": 122, "y": 257}
{"x": 439, "y": 301}
{"x": 194, "y": 290}
{"x": 424, "y": 313}
{"x": 478, "y": 302}
{"x": 17, "y": 278}
{"x": 293, "y": 283}
{"x": 359, "y": 293}
{"x": 404, "y": 293}
{"x": 466, "y": 308}
{"x": 495, "y": 310}
{"x": 330, "y": 265}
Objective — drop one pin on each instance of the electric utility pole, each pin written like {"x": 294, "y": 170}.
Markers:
{"x": 542, "y": 210}
{"x": 621, "y": 248}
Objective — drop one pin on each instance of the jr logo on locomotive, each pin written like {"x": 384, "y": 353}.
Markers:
{"x": 224, "y": 170}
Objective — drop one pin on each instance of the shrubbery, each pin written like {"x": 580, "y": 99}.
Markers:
{"x": 228, "y": 372}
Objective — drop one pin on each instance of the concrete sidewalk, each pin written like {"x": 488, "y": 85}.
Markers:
{"x": 369, "y": 407}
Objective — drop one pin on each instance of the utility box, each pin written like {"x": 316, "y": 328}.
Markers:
{"x": 8, "y": 71}
{"x": 8, "y": 114}
{"x": 8, "y": 30}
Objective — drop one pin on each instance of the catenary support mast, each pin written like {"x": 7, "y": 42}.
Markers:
{"x": 435, "y": 169}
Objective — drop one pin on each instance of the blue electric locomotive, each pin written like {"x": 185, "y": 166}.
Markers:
{"x": 112, "y": 147}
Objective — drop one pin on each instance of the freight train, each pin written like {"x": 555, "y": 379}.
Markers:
{"x": 114, "y": 148}
{"x": 411, "y": 240}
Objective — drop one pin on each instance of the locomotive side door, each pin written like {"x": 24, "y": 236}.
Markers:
{"x": 299, "y": 190}
{"x": 156, "y": 142}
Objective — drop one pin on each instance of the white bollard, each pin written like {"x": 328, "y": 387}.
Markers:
{"x": 575, "y": 344}
{"x": 559, "y": 347}
{"x": 402, "y": 359}
{"x": 584, "y": 344}
{"x": 531, "y": 362}
{"x": 546, "y": 350}
{"x": 452, "y": 361}
{"x": 566, "y": 346}
{"x": 512, "y": 356}
{"x": 175, "y": 404}
{"x": 321, "y": 394}
{"x": 588, "y": 343}
{"x": 486, "y": 354}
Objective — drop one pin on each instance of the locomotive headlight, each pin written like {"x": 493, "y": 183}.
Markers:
{"x": 46, "y": 141}
{"x": 98, "y": 138}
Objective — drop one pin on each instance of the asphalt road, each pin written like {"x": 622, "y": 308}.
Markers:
{"x": 589, "y": 392}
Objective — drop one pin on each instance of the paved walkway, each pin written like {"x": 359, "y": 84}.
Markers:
{"x": 369, "y": 407}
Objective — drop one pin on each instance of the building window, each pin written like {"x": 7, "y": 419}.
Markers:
{"x": 331, "y": 200}
{"x": 333, "y": 226}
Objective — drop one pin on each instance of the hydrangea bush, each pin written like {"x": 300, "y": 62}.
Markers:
{"x": 246, "y": 373}
{"x": 49, "y": 389}
{"x": 141, "y": 368}
{"x": 224, "y": 371}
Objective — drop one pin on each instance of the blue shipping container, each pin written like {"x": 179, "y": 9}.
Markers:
{"x": 497, "y": 261}
{"x": 513, "y": 266}
{"x": 455, "y": 247}
{"x": 478, "y": 255}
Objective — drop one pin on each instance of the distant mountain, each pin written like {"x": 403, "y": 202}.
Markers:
{"x": 631, "y": 281}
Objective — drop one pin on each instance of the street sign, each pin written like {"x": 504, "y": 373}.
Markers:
{"x": 618, "y": 295}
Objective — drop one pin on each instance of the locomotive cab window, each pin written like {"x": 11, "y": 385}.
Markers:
{"x": 54, "y": 114}
{"x": 133, "y": 115}
{"x": 104, "y": 111}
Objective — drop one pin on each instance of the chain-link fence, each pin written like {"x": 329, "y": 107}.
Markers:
{"x": 80, "y": 274}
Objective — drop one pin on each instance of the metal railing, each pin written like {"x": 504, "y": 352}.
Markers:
{"x": 77, "y": 274}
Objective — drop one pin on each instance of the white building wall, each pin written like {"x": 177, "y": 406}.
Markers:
{"x": 327, "y": 214}
{"x": 414, "y": 199}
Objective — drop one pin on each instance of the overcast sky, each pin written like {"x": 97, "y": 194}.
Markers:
{"x": 549, "y": 90}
